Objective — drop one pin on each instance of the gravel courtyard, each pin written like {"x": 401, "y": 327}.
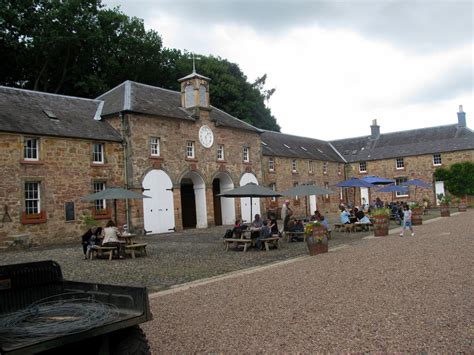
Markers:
{"x": 391, "y": 294}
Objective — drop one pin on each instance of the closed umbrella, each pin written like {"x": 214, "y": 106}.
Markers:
{"x": 250, "y": 190}
{"x": 307, "y": 190}
{"x": 114, "y": 193}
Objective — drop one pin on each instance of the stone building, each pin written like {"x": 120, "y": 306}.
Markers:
{"x": 182, "y": 152}
{"x": 406, "y": 155}
{"x": 289, "y": 160}
{"x": 53, "y": 150}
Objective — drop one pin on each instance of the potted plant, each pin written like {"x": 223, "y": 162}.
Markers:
{"x": 316, "y": 238}
{"x": 417, "y": 214}
{"x": 444, "y": 202}
{"x": 381, "y": 220}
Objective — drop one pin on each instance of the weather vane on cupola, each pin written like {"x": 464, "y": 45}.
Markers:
{"x": 194, "y": 61}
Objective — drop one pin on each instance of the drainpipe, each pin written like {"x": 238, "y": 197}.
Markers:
{"x": 125, "y": 162}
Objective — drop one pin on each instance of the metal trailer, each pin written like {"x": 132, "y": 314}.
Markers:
{"x": 24, "y": 286}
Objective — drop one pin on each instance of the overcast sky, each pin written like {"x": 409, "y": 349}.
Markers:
{"x": 336, "y": 65}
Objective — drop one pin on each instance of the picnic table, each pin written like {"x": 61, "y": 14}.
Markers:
{"x": 244, "y": 238}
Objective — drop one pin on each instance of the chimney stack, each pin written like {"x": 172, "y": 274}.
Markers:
{"x": 375, "y": 130}
{"x": 461, "y": 118}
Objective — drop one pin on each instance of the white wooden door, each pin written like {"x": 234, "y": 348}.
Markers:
{"x": 312, "y": 204}
{"x": 364, "y": 196}
{"x": 246, "y": 211}
{"x": 439, "y": 189}
{"x": 158, "y": 211}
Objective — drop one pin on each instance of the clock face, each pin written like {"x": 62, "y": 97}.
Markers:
{"x": 206, "y": 137}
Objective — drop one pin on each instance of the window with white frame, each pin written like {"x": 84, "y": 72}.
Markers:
{"x": 436, "y": 159}
{"x": 325, "y": 168}
{"x": 246, "y": 154}
{"x": 98, "y": 153}
{"x": 273, "y": 187}
{"x": 271, "y": 164}
{"x": 190, "y": 150}
{"x": 155, "y": 146}
{"x": 400, "y": 181}
{"x": 293, "y": 166}
{"x": 362, "y": 167}
{"x": 310, "y": 166}
{"x": 400, "y": 164}
{"x": 31, "y": 148}
{"x": 220, "y": 152}
{"x": 98, "y": 187}
{"x": 32, "y": 198}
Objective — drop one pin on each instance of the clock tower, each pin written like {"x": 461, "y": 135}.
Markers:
{"x": 194, "y": 90}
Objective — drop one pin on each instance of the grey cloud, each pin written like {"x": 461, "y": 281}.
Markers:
{"x": 446, "y": 86}
{"x": 420, "y": 25}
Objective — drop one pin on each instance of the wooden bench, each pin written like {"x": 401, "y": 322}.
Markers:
{"x": 245, "y": 242}
{"x": 362, "y": 226}
{"x": 339, "y": 227}
{"x": 274, "y": 239}
{"x": 136, "y": 247}
{"x": 101, "y": 251}
{"x": 290, "y": 235}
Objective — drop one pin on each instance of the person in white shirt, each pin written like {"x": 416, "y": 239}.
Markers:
{"x": 111, "y": 238}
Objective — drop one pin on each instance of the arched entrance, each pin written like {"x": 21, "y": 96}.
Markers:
{"x": 224, "y": 208}
{"x": 245, "y": 201}
{"x": 158, "y": 211}
{"x": 193, "y": 201}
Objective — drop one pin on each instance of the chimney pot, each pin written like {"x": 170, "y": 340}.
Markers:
{"x": 374, "y": 130}
{"x": 461, "y": 118}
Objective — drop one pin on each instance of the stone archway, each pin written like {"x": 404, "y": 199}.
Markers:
{"x": 158, "y": 211}
{"x": 224, "y": 208}
{"x": 245, "y": 201}
{"x": 193, "y": 201}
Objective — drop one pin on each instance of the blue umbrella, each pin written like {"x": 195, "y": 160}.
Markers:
{"x": 354, "y": 182}
{"x": 417, "y": 183}
{"x": 393, "y": 188}
{"x": 377, "y": 180}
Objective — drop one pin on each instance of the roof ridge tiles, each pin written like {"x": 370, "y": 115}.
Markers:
{"x": 96, "y": 100}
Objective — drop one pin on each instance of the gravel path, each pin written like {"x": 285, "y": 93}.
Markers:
{"x": 392, "y": 294}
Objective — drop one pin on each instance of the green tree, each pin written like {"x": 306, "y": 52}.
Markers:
{"x": 458, "y": 178}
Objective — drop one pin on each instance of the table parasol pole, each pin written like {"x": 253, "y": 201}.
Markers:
{"x": 115, "y": 210}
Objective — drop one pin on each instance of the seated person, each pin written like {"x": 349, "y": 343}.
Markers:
{"x": 238, "y": 227}
{"x": 273, "y": 224}
{"x": 295, "y": 226}
{"x": 90, "y": 238}
{"x": 324, "y": 222}
{"x": 111, "y": 238}
{"x": 256, "y": 225}
{"x": 265, "y": 232}
{"x": 344, "y": 216}
{"x": 316, "y": 216}
{"x": 361, "y": 217}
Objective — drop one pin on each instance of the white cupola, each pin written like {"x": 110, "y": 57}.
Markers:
{"x": 194, "y": 90}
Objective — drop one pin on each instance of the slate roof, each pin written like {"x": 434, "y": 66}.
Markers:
{"x": 152, "y": 100}
{"x": 23, "y": 111}
{"x": 421, "y": 141}
{"x": 286, "y": 145}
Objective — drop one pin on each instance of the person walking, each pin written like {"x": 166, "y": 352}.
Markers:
{"x": 407, "y": 221}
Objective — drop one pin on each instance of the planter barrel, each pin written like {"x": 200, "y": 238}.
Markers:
{"x": 462, "y": 206}
{"x": 315, "y": 246}
{"x": 444, "y": 209}
{"x": 417, "y": 216}
{"x": 380, "y": 226}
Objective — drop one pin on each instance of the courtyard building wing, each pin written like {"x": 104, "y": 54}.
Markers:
{"x": 286, "y": 145}
{"x": 39, "y": 113}
{"x": 414, "y": 142}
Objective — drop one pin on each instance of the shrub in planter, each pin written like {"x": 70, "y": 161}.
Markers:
{"x": 417, "y": 214}
{"x": 462, "y": 205}
{"x": 444, "y": 202}
{"x": 316, "y": 238}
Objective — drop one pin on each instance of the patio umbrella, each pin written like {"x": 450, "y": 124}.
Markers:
{"x": 417, "y": 183}
{"x": 250, "y": 190}
{"x": 394, "y": 188}
{"x": 377, "y": 180}
{"x": 114, "y": 193}
{"x": 307, "y": 190}
{"x": 354, "y": 182}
